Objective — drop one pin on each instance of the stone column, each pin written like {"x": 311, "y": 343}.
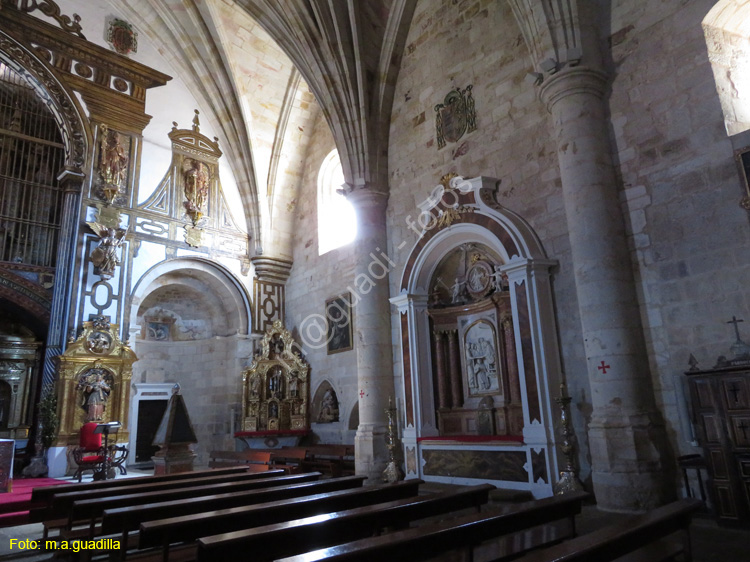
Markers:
{"x": 454, "y": 368}
{"x": 372, "y": 331}
{"x": 71, "y": 180}
{"x": 444, "y": 399}
{"x": 626, "y": 434}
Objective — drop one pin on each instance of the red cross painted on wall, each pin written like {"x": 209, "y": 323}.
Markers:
{"x": 603, "y": 368}
{"x": 361, "y": 393}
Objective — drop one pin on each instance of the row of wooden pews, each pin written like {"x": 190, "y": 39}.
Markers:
{"x": 301, "y": 517}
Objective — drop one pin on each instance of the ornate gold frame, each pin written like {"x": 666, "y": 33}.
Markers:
{"x": 98, "y": 346}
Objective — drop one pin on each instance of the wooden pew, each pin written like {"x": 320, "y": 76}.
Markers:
{"x": 90, "y": 511}
{"x": 42, "y": 495}
{"x": 328, "y": 459}
{"x": 125, "y": 519}
{"x": 289, "y": 459}
{"x": 660, "y": 534}
{"x": 60, "y": 503}
{"x": 166, "y": 532}
{"x": 431, "y": 540}
{"x": 255, "y": 460}
{"x": 293, "y": 537}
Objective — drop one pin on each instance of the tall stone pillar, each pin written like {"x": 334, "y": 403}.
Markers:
{"x": 372, "y": 331}
{"x": 626, "y": 435}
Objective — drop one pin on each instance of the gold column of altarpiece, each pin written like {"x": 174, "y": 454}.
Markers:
{"x": 98, "y": 352}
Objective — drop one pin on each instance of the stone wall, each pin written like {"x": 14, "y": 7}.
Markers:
{"x": 454, "y": 44}
{"x": 680, "y": 192}
{"x": 678, "y": 181}
{"x": 313, "y": 280}
{"x": 208, "y": 373}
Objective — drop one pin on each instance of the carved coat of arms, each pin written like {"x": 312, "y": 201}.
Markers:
{"x": 455, "y": 116}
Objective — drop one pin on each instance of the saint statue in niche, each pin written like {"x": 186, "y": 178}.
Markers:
{"x": 254, "y": 386}
{"x": 197, "y": 176}
{"x": 113, "y": 163}
{"x": 275, "y": 389}
{"x": 95, "y": 395}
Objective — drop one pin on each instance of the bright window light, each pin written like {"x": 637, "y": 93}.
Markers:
{"x": 337, "y": 220}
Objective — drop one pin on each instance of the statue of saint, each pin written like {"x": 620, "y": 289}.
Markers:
{"x": 95, "y": 395}
{"x": 197, "y": 176}
{"x": 104, "y": 257}
{"x": 114, "y": 159}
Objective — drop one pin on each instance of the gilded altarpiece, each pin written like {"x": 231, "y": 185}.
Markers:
{"x": 96, "y": 360}
{"x": 276, "y": 386}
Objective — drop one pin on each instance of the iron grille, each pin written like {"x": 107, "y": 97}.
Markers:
{"x": 31, "y": 157}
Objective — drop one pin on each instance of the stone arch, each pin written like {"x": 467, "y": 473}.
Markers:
{"x": 204, "y": 313}
{"x": 728, "y": 43}
{"x": 481, "y": 220}
{"x": 230, "y": 290}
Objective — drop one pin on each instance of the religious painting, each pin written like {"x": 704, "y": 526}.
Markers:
{"x": 482, "y": 360}
{"x": 339, "y": 316}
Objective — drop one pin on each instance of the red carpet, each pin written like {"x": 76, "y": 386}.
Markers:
{"x": 14, "y": 506}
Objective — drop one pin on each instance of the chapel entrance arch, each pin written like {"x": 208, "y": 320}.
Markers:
{"x": 190, "y": 320}
{"x": 466, "y": 419}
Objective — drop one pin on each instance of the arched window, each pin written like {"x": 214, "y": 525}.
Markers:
{"x": 337, "y": 221}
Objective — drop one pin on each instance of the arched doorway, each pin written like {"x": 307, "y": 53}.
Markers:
{"x": 189, "y": 325}
{"x": 471, "y": 414}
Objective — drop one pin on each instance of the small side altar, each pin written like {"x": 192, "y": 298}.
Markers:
{"x": 275, "y": 393}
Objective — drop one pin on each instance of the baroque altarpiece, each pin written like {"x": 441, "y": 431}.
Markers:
{"x": 473, "y": 346}
{"x": 94, "y": 381}
{"x": 276, "y": 386}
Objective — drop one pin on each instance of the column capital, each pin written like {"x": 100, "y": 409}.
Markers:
{"x": 366, "y": 197}
{"x": 271, "y": 269}
{"x": 571, "y": 81}
{"x": 404, "y": 300}
{"x": 71, "y": 179}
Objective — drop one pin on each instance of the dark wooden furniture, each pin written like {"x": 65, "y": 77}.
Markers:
{"x": 720, "y": 400}
{"x": 660, "y": 534}
{"x": 293, "y": 537}
{"x": 43, "y": 494}
{"x": 186, "y": 529}
{"x": 255, "y": 460}
{"x": 60, "y": 503}
{"x": 336, "y": 460}
{"x": 89, "y": 511}
{"x": 431, "y": 540}
{"x": 125, "y": 519}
